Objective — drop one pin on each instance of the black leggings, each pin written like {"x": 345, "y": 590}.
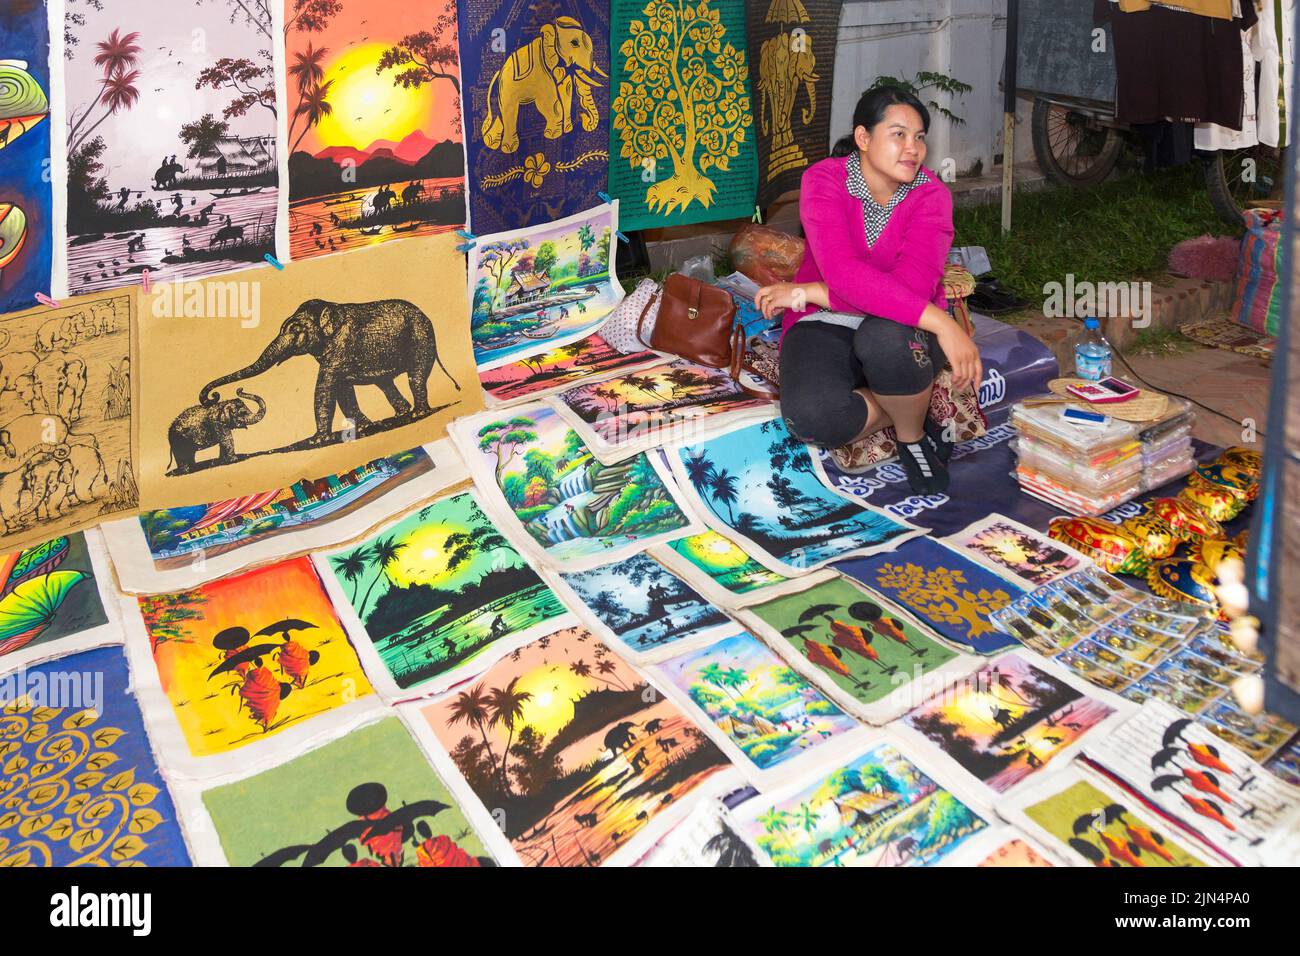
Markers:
{"x": 821, "y": 365}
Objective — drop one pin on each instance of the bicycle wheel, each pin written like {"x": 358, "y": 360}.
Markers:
{"x": 1072, "y": 149}
{"x": 1240, "y": 179}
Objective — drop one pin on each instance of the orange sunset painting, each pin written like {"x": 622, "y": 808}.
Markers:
{"x": 375, "y": 142}
{"x": 243, "y": 658}
{"x": 573, "y": 747}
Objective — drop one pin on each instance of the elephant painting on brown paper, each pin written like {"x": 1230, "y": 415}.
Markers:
{"x": 388, "y": 344}
{"x": 65, "y": 457}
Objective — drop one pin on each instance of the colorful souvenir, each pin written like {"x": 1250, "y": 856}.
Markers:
{"x": 1213, "y": 551}
{"x": 1185, "y": 520}
{"x": 1153, "y": 536}
{"x": 1184, "y": 580}
{"x": 1213, "y": 501}
{"x": 1114, "y": 548}
{"x": 1238, "y": 481}
{"x": 1247, "y": 459}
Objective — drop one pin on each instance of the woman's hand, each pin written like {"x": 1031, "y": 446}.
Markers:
{"x": 963, "y": 356}
{"x": 780, "y": 296}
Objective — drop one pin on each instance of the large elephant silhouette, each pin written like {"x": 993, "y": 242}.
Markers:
{"x": 355, "y": 343}
{"x": 544, "y": 72}
{"x": 620, "y": 736}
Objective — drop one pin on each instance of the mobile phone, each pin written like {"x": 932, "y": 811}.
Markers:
{"x": 1107, "y": 390}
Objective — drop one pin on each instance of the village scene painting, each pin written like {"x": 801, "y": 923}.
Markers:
{"x": 543, "y": 372}
{"x": 182, "y": 193}
{"x": 726, "y": 564}
{"x": 879, "y": 810}
{"x": 573, "y": 747}
{"x": 758, "y": 482}
{"x": 571, "y": 505}
{"x": 440, "y": 587}
{"x": 375, "y": 140}
{"x": 644, "y": 604}
{"x": 644, "y": 407}
{"x": 174, "y": 534}
{"x": 541, "y": 287}
{"x": 763, "y": 706}
{"x": 1007, "y": 721}
{"x": 368, "y": 800}
{"x": 246, "y": 657}
{"x": 863, "y": 645}
{"x": 65, "y": 416}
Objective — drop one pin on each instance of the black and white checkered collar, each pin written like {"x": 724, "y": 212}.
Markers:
{"x": 875, "y": 216}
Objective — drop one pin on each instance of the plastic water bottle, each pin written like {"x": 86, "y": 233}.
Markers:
{"x": 1092, "y": 353}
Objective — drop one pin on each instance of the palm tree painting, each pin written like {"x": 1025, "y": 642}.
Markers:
{"x": 758, "y": 482}
{"x": 439, "y": 588}
{"x": 765, "y": 709}
{"x": 548, "y": 733}
{"x": 879, "y": 810}
{"x": 171, "y": 147}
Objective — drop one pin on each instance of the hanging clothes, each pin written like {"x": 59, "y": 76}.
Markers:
{"x": 1275, "y": 49}
{"x": 1211, "y": 136}
{"x": 1175, "y": 65}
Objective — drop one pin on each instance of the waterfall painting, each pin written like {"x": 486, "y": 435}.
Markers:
{"x": 645, "y": 607}
{"x": 756, "y": 485}
{"x": 555, "y": 500}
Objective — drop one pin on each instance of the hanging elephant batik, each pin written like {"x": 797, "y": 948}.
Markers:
{"x": 792, "y": 52}
{"x": 536, "y": 109}
{"x": 675, "y": 162}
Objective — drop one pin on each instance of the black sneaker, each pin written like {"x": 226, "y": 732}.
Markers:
{"x": 925, "y": 472}
{"x": 938, "y": 441}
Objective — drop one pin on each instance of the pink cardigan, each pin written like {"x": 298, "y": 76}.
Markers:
{"x": 894, "y": 279}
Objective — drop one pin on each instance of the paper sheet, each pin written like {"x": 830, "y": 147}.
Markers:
{"x": 1017, "y": 552}
{"x": 182, "y": 547}
{"x": 720, "y": 570}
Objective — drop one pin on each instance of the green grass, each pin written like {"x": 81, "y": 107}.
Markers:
{"x": 1119, "y": 231}
{"x": 1157, "y": 342}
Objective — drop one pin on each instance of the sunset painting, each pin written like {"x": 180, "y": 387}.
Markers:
{"x": 572, "y": 747}
{"x": 245, "y": 657}
{"x": 374, "y": 123}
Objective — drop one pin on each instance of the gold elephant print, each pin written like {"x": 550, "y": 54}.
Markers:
{"x": 786, "y": 65}
{"x": 545, "y": 72}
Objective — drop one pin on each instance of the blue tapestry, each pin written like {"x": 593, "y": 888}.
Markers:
{"x": 536, "y": 96}
{"x": 80, "y": 786}
{"x": 25, "y": 199}
{"x": 942, "y": 587}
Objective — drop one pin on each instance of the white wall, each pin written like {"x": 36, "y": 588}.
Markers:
{"x": 965, "y": 39}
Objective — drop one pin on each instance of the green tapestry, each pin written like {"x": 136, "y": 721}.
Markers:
{"x": 682, "y": 124}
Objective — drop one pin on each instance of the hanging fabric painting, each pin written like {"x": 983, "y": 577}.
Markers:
{"x": 537, "y": 107}
{"x": 171, "y": 139}
{"x": 682, "y": 141}
{"x": 66, "y": 416}
{"x": 373, "y": 109}
{"x": 792, "y": 53}
{"x": 26, "y": 221}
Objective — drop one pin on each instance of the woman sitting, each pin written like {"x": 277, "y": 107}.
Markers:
{"x": 866, "y": 328}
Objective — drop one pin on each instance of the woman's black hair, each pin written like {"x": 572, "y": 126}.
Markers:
{"x": 871, "y": 110}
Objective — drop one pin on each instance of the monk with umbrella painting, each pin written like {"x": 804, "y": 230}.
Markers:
{"x": 294, "y": 659}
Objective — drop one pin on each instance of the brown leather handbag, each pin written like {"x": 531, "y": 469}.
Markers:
{"x": 697, "y": 321}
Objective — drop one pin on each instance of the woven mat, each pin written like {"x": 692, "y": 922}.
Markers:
{"x": 1230, "y": 336}
{"x": 1146, "y": 407}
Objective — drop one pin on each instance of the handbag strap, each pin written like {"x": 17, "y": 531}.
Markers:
{"x": 640, "y": 323}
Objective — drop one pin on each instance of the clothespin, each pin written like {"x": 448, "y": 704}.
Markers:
{"x": 274, "y": 261}
{"x": 144, "y": 280}
{"x": 604, "y": 197}
{"x": 623, "y": 238}
{"x": 757, "y": 217}
{"x": 469, "y": 242}
{"x": 44, "y": 299}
